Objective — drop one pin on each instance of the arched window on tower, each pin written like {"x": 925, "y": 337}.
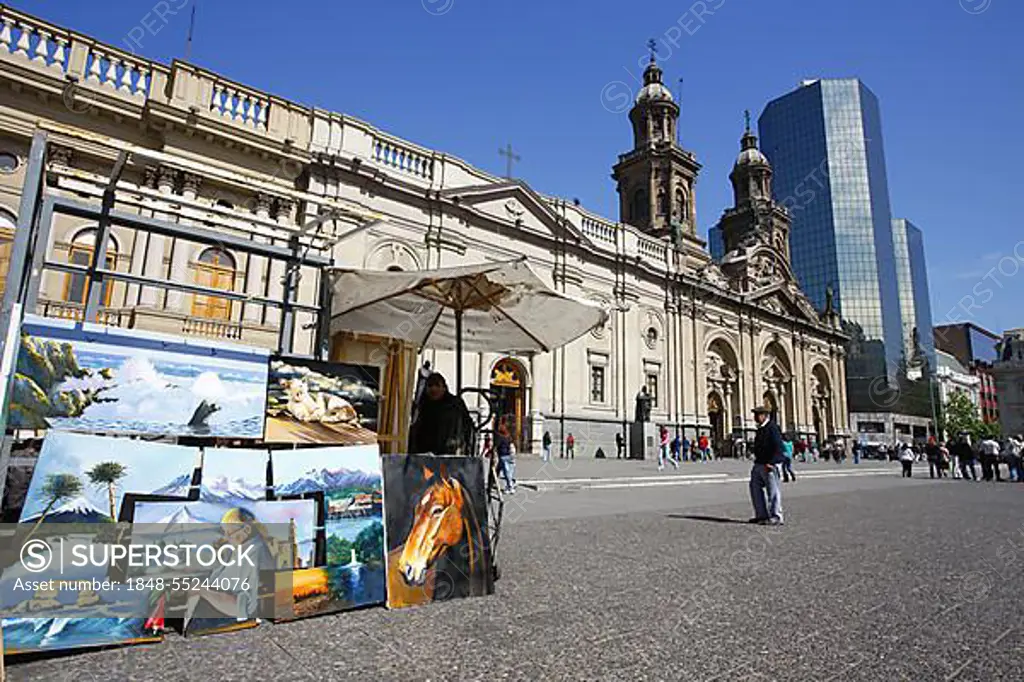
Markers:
{"x": 215, "y": 268}
{"x": 80, "y": 253}
{"x": 662, "y": 202}
{"x": 639, "y": 210}
{"x": 679, "y": 206}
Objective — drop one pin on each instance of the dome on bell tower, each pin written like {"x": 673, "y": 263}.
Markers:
{"x": 653, "y": 90}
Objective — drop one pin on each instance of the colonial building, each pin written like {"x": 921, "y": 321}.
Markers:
{"x": 709, "y": 342}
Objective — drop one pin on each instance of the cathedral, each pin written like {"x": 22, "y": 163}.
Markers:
{"x": 708, "y": 340}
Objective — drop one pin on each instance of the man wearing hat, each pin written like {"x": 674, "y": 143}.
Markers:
{"x": 764, "y": 477}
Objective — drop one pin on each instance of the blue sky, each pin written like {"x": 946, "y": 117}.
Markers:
{"x": 466, "y": 76}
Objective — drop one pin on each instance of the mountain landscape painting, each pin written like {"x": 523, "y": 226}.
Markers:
{"x": 233, "y": 475}
{"x": 98, "y": 379}
{"x": 82, "y": 479}
{"x": 350, "y": 480}
{"x": 320, "y": 402}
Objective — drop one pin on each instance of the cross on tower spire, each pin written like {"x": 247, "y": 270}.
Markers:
{"x": 746, "y": 119}
{"x": 652, "y": 45}
{"x": 510, "y": 158}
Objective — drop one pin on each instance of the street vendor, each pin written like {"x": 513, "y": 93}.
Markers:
{"x": 443, "y": 425}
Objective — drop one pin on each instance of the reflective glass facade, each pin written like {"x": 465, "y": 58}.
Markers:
{"x": 912, "y": 279}
{"x": 716, "y": 243}
{"x": 824, "y": 141}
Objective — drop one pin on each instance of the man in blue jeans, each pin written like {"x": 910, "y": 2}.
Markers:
{"x": 764, "y": 476}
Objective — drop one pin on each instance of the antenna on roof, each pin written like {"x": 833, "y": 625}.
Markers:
{"x": 191, "y": 30}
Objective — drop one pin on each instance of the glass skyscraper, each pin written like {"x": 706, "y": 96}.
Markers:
{"x": 716, "y": 243}
{"x": 824, "y": 141}
{"x": 915, "y": 304}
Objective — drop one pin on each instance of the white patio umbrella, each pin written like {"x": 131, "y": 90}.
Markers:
{"x": 501, "y": 307}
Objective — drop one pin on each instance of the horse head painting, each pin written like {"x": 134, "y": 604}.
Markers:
{"x": 440, "y": 546}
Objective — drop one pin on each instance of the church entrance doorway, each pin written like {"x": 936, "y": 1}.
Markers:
{"x": 508, "y": 383}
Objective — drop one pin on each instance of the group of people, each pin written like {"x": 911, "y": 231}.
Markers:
{"x": 959, "y": 458}
{"x": 682, "y": 449}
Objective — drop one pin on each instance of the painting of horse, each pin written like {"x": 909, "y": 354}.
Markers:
{"x": 436, "y": 527}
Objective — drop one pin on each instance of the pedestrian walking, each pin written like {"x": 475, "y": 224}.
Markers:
{"x": 934, "y": 457}
{"x": 989, "y": 451}
{"x": 944, "y": 460}
{"x": 964, "y": 454}
{"x": 787, "y": 464}
{"x": 506, "y": 458}
{"x": 1012, "y": 452}
{"x": 570, "y": 446}
{"x": 702, "y": 444}
{"x": 857, "y": 450}
{"x": 620, "y": 446}
{"x": 546, "y": 446}
{"x": 765, "y": 487}
{"x": 907, "y": 460}
{"x": 677, "y": 448}
{"x": 686, "y": 449}
{"x": 663, "y": 452}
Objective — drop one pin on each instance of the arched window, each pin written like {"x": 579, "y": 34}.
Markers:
{"x": 681, "y": 209}
{"x": 82, "y": 247}
{"x": 662, "y": 202}
{"x": 7, "y": 226}
{"x": 640, "y": 209}
{"x": 215, "y": 268}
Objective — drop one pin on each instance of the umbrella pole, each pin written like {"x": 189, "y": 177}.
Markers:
{"x": 458, "y": 351}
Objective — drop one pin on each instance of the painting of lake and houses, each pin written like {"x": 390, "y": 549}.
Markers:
{"x": 350, "y": 480}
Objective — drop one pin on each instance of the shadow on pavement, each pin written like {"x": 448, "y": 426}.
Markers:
{"x": 710, "y": 519}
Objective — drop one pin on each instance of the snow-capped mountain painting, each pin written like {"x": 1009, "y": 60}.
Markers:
{"x": 76, "y": 510}
{"x": 116, "y": 380}
{"x": 179, "y": 487}
{"x": 146, "y": 468}
{"x": 233, "y": 475}
{"x": 333, "y": 470}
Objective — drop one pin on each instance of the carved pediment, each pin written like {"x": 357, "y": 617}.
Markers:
{"x": 782, "y": 300}
{"x": 514, "y": 205}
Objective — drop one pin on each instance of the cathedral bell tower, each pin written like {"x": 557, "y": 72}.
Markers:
{"x": 754, "y": 214}
{"x": 656, "y": 179}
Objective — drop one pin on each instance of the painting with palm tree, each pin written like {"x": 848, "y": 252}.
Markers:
{"x": 82, "y": 479}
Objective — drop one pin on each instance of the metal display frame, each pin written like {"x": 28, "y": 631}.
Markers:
{"x": 29, "y": 258}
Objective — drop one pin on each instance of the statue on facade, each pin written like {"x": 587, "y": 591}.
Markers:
{"x": 643, "y": 406}
{"x": 829, "y": 300}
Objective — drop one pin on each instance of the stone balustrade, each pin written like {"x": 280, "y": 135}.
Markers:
{"x": 239, "y": 104}
{"x": 113, "y": 69}
{"x": 599, "y": 231}
{"x": 25, "y": 37}
{"x": 402, "y": 156}
{"x": 652, "y": 250}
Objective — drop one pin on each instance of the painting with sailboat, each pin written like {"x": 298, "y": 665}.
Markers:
{"x": 91, "y": 378}
{"x": 350, "y": 480}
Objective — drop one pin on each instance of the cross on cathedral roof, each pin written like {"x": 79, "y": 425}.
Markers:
{"x": 652, "y": 45}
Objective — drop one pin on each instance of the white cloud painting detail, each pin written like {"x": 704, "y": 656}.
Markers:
{"x": 116, "y": 380}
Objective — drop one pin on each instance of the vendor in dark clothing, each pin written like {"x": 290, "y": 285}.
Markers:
{"x": 443, "y": 425}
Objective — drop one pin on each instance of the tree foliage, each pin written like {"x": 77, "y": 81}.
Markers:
{"x": 960, "y": 415}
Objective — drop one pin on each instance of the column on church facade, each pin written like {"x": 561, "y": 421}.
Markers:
{"x": 690, "y": 366}
{"x": 178, "y": 300}
{"x": 256, "y": 268}
{"x": 275, "y": 286}
{"x": 800, "y": 396}
{"x": 157, "y": 244}
{"x": 671, "y": 370}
